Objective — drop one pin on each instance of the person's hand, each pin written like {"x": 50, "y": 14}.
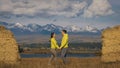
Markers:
{"x": 59, "y": 48}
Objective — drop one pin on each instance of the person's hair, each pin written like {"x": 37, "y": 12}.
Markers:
{"x": 65, "y": 31}
{"x": 52, "y": 35}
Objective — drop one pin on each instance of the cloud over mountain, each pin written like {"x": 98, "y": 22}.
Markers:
{"x": 99, "y": 8}
{"x": 45, "y": 8}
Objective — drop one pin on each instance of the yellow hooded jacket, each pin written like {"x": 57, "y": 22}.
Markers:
{"x": 54, "y": 44}
{"x": 64, "y": 42}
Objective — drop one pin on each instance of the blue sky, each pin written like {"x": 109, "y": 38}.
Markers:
{"x": 98, "y": 13}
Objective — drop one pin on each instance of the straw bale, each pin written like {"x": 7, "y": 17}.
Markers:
{"x": 8, "y": 47}
{"x": 111, "y": 44}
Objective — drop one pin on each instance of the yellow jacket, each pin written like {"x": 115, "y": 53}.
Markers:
{"x": 54, "y": 44}
{"x": 64, "y": 42}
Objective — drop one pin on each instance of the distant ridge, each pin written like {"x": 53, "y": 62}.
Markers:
{"x": 20, "y": 29}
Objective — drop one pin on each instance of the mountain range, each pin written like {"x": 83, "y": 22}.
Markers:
{"x": 21, "y": 29}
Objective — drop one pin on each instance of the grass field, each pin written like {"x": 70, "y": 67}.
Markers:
{"x": 72, "y": 63}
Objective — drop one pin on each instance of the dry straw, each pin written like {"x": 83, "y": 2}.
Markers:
{"x": 8, "y": 47}
{"x": 111, "y": 44}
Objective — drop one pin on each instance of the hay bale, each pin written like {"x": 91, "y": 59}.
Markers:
{"x": 111, "y": 44}
{"x": 8, "y": 47}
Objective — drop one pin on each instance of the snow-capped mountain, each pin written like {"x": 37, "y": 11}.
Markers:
{"x": 52, "y": 27}
{"x": 91, "y": 29}
{"x": 19, "y": 28}
{"x": 19, "y": 25}
{"x": 34, "y": 27}
{"x": 73, "y": 28}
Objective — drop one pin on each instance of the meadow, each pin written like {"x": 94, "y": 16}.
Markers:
{"x": 72, "y": 62}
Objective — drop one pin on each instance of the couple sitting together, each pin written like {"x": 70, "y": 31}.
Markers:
{"x": 63, "y": 47}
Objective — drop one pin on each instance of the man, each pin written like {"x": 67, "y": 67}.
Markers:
{"x": 64, "y": 45}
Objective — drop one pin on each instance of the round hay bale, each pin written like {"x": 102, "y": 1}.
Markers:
{"x": 8, "y": 47}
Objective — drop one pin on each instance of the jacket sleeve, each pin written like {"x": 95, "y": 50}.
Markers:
{"x": 64, "y": 41}
{"x": 55, "y": 43}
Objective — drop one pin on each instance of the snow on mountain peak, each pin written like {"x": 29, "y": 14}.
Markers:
{"x": 90, "y": 28}
{"x": 34, "y": 26}
{"x": 49, "y": 27}
{"x": 73, "y": 28}
{"x": 19, "y": 25}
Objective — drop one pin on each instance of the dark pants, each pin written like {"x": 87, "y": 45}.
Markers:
{"x": 53, "y": 56}
{"x": 63, "y": 54}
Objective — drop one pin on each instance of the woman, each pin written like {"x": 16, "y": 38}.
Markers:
{"x": 54, "y": 46}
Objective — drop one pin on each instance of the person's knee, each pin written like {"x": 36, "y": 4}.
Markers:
{"x": 62, "y": 56}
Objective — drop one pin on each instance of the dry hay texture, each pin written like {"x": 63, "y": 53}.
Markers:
{"x": 8, "y": 47}
{"x": 111, "y": 44}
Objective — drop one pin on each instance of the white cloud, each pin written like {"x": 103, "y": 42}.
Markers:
{"x": 70, "y": 10}
{"x": 51, "y": 7}
{"x": 67, "y": 8}
{"x": 98, "y": 8}
{"x": 6, "y": 6}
